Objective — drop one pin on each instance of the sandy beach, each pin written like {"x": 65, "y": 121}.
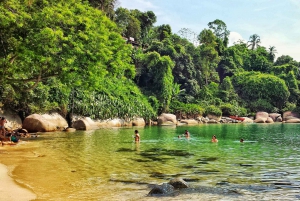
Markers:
{"x": 10, "y": 190}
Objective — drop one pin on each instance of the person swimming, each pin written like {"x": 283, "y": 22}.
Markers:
{"x": 214, "y": 139}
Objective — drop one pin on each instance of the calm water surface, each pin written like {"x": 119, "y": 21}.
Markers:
{"x": 107, "y": 165}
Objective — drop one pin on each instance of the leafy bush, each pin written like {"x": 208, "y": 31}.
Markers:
{"x": 233, "y": 109}
{"x": 255, "y": 86}
{"x": 213, "y": 110}
{"x": 115, "y": 98}
{"x": 262, "y": 105}
{"x": 189, "y": 109}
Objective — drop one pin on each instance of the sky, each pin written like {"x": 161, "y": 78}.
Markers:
{"x": 277, "y": 22}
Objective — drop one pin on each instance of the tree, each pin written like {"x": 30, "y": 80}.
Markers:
{"x": 189, "y": 35}
{"x": 130, "y": 26}
{"x": 254, "y": 41}
{"x": 257, "y": 60}
{"x": 164, "y": 31}
{"x": 286, "y": 59}
{"x": 66, "y": 40}
{"x": 209, "y": 56}
{"x": 161, "y": 67}
{"x": 254, "y": 86}
{"x": 272, "y": 51}
{"x": 147, "y": 20}
{"x": 220, "y": 30}
{"x": 106, "y": 6}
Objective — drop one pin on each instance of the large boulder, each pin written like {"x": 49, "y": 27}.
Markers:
{"x": 44, "y": 123}
{"x": 275, "y": 117}
{"x": 247, "y": 120}
{"x": 269, "y": 120}
{"x": 290, "y": 115}
{"x": 295, "y": 120}
{"x": 261, "y": 117}
{"x": 214, "y": 117}
{"x": 167, "y": 119}
{"x": 138, "y": 122}
{"x": 189, "y": 121}
{"x": 85, "y": 123}
{"x": 13, "y": 120}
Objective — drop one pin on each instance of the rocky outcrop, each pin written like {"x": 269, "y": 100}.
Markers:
{"x": 189, "y": 121}
{"x": 13, "y": 120}
{"x": 296, "y": 120}
{"x": 261, "y": 117}
{"x": 248, "y": 120}
{"x": 138, "y": 122}
{"x": 214, "y": 117}
{"x": 167, "y": 119}
{"x": 212, "y": 121}
{"x": 290, "y": 115}
{"x": 276, "y": 117}
{"x": 85, "y": 123}
{"x": 44, "y": 123}
{"x": 269, "y": 120}
{"x": 70, "y": 130}
{"x": 162, "y": 190}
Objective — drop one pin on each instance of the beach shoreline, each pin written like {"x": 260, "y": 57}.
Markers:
{"x": 10, "y": 190}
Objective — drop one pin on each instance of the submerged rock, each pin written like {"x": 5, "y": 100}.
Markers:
{"x": 162, "y": 190}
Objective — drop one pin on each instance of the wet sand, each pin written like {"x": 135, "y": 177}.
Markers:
{"x": 10, "y": 190}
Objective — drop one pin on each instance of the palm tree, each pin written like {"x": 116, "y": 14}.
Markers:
{"x": 254, "y": 41}
{"x": 272, "y": 51}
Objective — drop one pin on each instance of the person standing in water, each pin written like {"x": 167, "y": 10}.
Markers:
{"x": 136, "y": 136}
{"x": 214, "y": 139}
{"x": 187, "y": 134}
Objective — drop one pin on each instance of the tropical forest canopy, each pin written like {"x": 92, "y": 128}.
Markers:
{"x": 91, "y": 58}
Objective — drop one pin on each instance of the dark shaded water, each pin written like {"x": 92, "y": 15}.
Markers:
{"x": 107, "y": 165}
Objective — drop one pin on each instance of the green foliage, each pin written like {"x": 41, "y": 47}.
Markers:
{"x": 220, "y": 30}
{"x": 191, "y": 110}
{"x": 257, "y": 60}
{"x": 226, "y": 91}
{"x": 161, "y": 67}
{"x": 66, "y": 55}
{"x": 254, "y": 86}
{"x": 209, "y": 57}
{"x": 290, "y": 107}
{"x": 232, "y": 108}
{"x": 117, "y": 98}
{"x": 262, "y": 105}
{"x": 213, "y": 110}
{"x": 285, "y": 69}
{"x": 130, "y": 26}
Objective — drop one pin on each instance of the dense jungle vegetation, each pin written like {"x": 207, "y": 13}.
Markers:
{"x": 78, "y": 57}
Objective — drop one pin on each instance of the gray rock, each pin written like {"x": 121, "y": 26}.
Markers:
{"x": 178, "y": 183}
{"x": 161, "y": 190}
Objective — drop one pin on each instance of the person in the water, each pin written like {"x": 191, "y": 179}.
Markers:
{"x": 136, "y": 136}
{"x": 241, "y": 140}
{"x": 214, "y": 139}
{"x": 187, "y": 134}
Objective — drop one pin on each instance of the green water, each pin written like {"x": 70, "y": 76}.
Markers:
{"x": 107, "y": 165}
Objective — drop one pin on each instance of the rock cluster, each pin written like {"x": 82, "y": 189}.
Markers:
{"x": 55, "y": 122}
